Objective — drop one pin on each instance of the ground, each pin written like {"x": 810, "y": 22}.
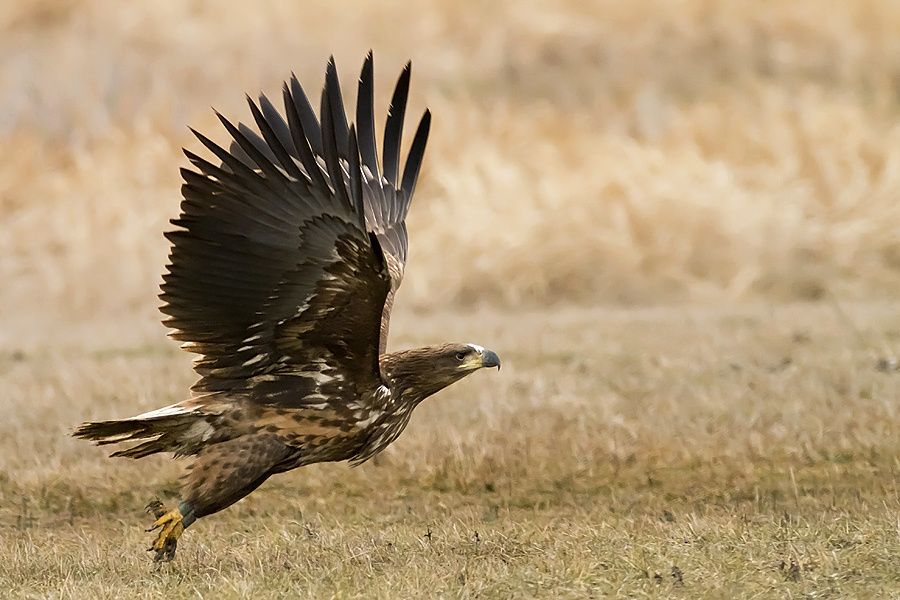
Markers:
{"x": 696, "y": 452}
{"x": 676, "y": 223}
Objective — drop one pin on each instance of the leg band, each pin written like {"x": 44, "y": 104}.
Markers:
{"x": 187, "y": 513}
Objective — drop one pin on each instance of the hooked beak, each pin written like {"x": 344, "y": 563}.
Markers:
{"x": 490, "y": 359}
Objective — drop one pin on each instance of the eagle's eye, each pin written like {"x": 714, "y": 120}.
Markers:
{"x": 460, "y": 356}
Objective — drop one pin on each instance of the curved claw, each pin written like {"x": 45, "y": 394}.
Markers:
{"x": 170, "y": 525}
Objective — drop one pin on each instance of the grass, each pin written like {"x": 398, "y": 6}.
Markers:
{"x": 751, "y": 451}
{"x": 676, "y": 222}
{"x": 621, "y": 153}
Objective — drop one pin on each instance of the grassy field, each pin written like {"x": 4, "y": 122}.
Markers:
{"x": 754, "y": 450}
{"x": 676, "y": 222}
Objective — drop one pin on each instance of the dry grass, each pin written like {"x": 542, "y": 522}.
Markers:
{"x": 642, "y": 152}
{"x": 739, "y": 160}
{"x": 754, "y": 449}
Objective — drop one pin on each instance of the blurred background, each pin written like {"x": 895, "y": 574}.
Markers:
{"x": 616, "y": 153}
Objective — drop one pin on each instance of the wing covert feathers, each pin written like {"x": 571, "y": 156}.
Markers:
{"x": 291, "y": 248}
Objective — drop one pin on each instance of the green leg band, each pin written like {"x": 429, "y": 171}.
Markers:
{"x": 187, "y": 513}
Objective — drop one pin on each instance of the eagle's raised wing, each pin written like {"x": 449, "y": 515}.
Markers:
{"x": 388, "y": 201}
{"x": 288, "y": 253}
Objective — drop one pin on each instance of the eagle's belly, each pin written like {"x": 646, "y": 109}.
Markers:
{"x": 382, "y": 432}
{"x": 317, "y": 434}
{"x": 334, "y": 428}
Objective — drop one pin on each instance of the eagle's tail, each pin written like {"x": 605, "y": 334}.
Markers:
{"x": 180, "y": 428}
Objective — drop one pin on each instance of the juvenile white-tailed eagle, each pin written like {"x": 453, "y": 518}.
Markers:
{"x": 282, "y": 275}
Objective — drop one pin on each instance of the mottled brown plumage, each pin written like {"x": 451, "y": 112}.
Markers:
{"x": 282, "y": 275}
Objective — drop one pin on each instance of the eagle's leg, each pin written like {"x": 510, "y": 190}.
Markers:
{"x": 171, "y": 524}
{"x": 222, "y": 474}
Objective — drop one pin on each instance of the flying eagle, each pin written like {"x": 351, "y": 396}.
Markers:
{"x": 282, "y": 274}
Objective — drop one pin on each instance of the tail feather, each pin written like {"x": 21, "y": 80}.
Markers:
{"x": 180, "y": 429}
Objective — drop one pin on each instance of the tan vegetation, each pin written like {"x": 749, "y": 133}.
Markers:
{"x": 627, "y": 152}
{"x": 675, "y": 221}
{"x": 753, "y": 449}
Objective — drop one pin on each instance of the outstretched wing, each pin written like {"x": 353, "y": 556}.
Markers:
{"x": 386, "y": 197}
{"x": 277, "y": 269}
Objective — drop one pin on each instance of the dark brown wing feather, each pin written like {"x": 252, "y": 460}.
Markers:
{"x": 386, "y": 200}
{"x": 386, "y": 203}
{"x": 287, "y": 253}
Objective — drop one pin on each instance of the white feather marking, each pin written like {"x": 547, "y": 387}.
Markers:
{"x": 245, "y": 348}
{"x": 373, "y": 416}
{"x": 253, "y": 338}
{"x": 256, "y": 359}
{"x": 166, "y": 411}
{"x": 300, "y": 310}
{"x": 318, "y": 376}
{"x": 476, "y": 348}
{"x": 200, "y": 430}
{"x": 118, "y": 437}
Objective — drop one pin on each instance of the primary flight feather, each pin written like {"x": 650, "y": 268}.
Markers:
{"x": 282, "y": 275}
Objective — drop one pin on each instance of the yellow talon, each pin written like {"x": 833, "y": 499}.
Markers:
{"x": 170, "y": 527}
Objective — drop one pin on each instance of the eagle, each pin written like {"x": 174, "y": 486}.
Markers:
{"x": 284, "y": 263}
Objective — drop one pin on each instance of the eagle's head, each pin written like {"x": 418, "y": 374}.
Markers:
{"x": 466, "y": 358}
{"x": 417, "y": 374}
